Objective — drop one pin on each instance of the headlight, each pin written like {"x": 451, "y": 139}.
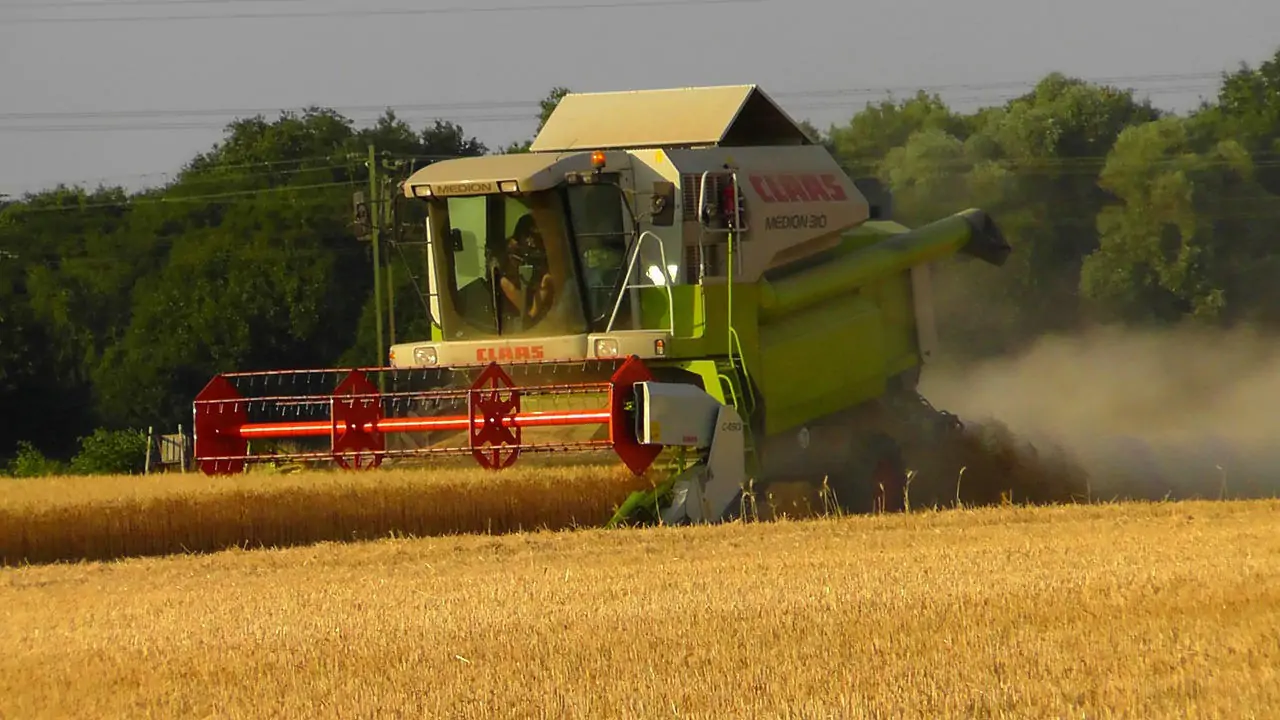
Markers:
{"x": 606, "y": 347}
{"x": 425, "y": 355}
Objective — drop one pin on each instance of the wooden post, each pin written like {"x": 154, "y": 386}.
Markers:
{"x": 151, "y": 440}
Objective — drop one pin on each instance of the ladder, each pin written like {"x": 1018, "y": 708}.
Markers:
{"x": 735, "y": 379}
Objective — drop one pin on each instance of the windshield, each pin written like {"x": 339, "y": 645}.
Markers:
{"x": 507, "y": 266}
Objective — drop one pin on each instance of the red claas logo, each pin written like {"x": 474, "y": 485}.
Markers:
{"x": 508, "y": 353}
{"x": 798, "y": 187}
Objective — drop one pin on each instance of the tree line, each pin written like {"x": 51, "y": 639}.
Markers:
{"x": 116, "y": 307}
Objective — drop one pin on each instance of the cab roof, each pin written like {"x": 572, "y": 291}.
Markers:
{"x": 532, "y": 171}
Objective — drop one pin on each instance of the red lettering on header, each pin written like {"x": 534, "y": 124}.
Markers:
{"x": 509, "y": 353}
{"x": 798, "y": 187}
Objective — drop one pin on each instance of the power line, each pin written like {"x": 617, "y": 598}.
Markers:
{"x": 1099, "y": 80}
{"x": 120, "y": 3}
{"x": 461, "y": 119}
{"x": 830, "y": 96}
{"x": 534, "y": 105}
{"x": 831, "y": 101}
{"x": 213, "y": 174}
{"x": 371, "y": 12}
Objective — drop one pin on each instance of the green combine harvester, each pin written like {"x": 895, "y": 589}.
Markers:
{"x": 679, "y": 272}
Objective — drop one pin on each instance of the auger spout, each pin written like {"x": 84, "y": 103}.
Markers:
{"x": 971, "y": 232}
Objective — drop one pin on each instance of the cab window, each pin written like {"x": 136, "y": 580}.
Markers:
{"x": 600, "y": 232}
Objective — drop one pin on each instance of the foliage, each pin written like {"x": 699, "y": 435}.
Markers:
{"x": 116, "y": 307}
{"x": 111, "y": 452}
{"x": 30, "y": 462}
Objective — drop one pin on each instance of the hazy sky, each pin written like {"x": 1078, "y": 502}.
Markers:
{"x": 822, "y": 59}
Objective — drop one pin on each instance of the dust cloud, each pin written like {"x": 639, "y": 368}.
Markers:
{"x": 1147, "y": 414}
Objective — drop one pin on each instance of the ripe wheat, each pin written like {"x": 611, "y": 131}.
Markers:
{"x": 100, "y": 518}
{"x": 1161, "y": 610}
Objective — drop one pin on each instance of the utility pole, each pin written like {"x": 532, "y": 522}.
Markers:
{"x": 390, "y": 279}
{"x": 395, "y": 188}
{"x": 391, "y": 218}
{"x": 375, "y": 227}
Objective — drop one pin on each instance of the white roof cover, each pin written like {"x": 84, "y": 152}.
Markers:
{"x": 731, "y": 115}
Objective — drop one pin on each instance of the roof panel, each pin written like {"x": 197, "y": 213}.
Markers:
{"x": 664, "y": 118}
{"x": 533, "y": 172}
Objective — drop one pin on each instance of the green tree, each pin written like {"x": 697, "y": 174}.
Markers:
{"x": 862, "y": 144}
{"x": 117, "y": 308}
{"x": 1182, "y": 239}
{"x": 1248, "y": 111}
{"x": 69, "y": 264}
{"x": 29, "y": 462}
{"x": 119, "y": 452}
{"x": 1033, "y": 163}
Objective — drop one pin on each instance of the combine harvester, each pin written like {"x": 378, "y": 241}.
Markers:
{"x": 671, "y": 269}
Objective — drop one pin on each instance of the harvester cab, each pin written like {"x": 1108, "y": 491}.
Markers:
{"x": 669, "y": 268}
{"x": 601, "y": 242}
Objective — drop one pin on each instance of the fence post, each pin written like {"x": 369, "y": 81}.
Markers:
{"x": 151, "y": 440}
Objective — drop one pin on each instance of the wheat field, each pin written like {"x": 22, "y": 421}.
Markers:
{"x": 107, "y": 517}
{"x": 1092, "y": 611}
{"x": 73, "y": 518}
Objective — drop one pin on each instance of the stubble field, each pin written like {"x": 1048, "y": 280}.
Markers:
{"x": 1143, "y": 610}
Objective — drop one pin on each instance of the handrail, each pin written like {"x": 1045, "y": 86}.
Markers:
{"x": 748, "y": 390}
{"x": 627, "y": 285}
{"x": 702, "y": 228}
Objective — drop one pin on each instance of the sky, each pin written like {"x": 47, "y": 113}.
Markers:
{"x": 126, "y": 91}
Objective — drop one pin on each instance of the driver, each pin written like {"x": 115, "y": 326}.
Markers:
{"x": 529, "y": 297}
